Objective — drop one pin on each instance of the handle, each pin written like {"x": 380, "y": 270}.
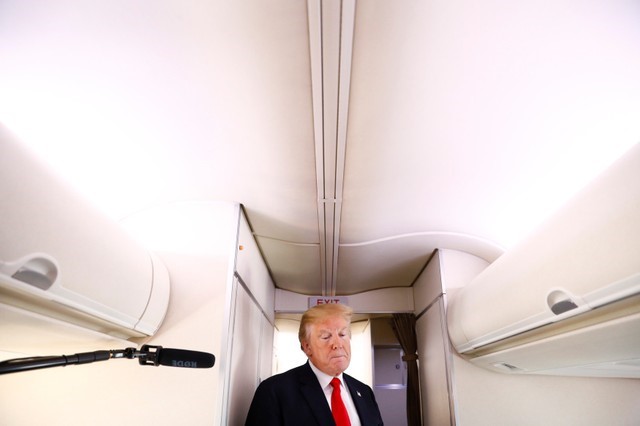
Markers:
{"x": 559, "y": 301}
{"x": 37, "y": 269}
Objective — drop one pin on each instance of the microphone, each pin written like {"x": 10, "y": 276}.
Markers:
{"x": 157, "y": 355}
{"x": 148, "y": 355}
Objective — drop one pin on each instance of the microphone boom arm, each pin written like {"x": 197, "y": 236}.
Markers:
{"x": 34, "y": 363}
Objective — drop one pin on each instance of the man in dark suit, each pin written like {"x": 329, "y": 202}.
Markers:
{"x": 310, "y": 394}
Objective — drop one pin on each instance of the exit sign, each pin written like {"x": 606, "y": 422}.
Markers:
{"x": 323, "y": 300}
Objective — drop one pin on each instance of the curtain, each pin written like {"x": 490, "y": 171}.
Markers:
{"x": 404, "y": 327}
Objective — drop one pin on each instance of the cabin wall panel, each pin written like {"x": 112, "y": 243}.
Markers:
{"x": 486, "y": 398}
{"x": 245, "y": 361}
{"x": 428, "y": 286}
{"x": 265, "y": 364}
{"x": 252, "y": 269}
{"x": 250, "y": 328}
{"x": 434, "y": 353}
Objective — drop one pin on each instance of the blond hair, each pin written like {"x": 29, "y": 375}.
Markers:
{"x": 320, "y": 312}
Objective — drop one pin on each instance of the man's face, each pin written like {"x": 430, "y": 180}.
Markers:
{"x": 329, "y": 345}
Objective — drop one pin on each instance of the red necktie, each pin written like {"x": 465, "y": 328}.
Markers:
{"x": 338, "y": 409}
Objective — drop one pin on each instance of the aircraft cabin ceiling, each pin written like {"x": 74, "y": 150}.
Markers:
{"x": 358, "y": 135}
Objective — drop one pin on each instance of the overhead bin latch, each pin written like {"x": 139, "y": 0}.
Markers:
{"x": 560, "y": 302}
{"x": 38, "y": 270}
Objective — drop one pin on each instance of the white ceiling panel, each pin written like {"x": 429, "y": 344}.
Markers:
{"x": 483, "y": 118}
{"x": 463, "y": 120}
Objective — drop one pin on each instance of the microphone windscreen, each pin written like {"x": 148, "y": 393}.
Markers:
{"x": 183, "y": 358}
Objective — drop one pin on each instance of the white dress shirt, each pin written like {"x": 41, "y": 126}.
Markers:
{"x": 325, "y": 383}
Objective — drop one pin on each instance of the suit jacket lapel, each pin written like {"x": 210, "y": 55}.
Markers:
{"x": 360, "y": 398}
{"x": 314, "y": 396}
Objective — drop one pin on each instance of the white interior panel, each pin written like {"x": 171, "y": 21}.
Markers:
{"x": 433, "y": 349}
{"x": 252, "y": 270}
{"x": 305, "y": 278}
{"x": 587, "y": 260}
{"x": 62, "y": 257}
{"x": 245, "y": 364}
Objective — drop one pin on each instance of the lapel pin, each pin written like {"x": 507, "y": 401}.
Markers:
{"x": 359, "y": 394}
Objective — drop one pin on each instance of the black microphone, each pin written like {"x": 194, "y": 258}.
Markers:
{"x": 148, "y": 355}
{"x": 157, "y": 355}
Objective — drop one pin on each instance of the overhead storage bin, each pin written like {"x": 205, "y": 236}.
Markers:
{"x": 61, "y": 258}
{"x": 577, "y": 277}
